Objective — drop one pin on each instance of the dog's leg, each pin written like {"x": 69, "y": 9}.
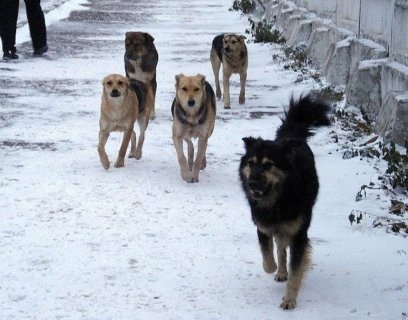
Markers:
{"x": 143, "y": 121}
{"x": 299, "y": 262}
{"x": 226, "y": 83}
{"x": 266, "y": 244}
{"x": 204, "y": 163}
{"x": 184, "y": 170}
{"x": 190, "y": 147}
{"x": 202, "y": 148}
{"x": 151, "y": 99}
{"x": 216, "y": 64}
{"x": 132, "y": 153}
{"x": 120, "y": 161}
{"x": 242, "y": 80}
{"x": 103, "y": 138}
{"x": 282, "y": 274}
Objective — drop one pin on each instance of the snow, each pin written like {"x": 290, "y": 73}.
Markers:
{"x": 79, "y": 242}
{"x": 371, "y": 44}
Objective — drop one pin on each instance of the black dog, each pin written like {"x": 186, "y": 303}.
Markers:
{"x": 280, "y": 182}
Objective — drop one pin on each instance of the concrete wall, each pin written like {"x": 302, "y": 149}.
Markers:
{"x": 325, "y": 9}
{"x": 379, "y": 28}
{"x": 399, "y": 39}
{"x": 348, "y": 15}
{"x": 361, "y": 45}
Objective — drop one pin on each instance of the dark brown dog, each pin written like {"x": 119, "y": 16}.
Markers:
{"x": 230, "y": 50}
{"x": 119, "y": 111}
{"x": 193, "y": 111}
{"x": 141, "y": 59}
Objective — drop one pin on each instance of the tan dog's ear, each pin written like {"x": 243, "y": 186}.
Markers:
{"x": 148, "y": 37}
{"x": 201, "y": 78}
{"x": 104, "y": 80}
{"x": 242, "y": 37}
{"x": 127, "y": 81}
{"x": 178, "y": 77}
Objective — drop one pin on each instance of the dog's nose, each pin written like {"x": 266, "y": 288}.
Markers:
{"x": 254, "y": 184}
{"x": 227, "y": 49}
{"x": 191, "y": 103}
{"x": 115, "y": 93}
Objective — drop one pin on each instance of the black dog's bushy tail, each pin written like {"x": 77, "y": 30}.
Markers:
{"x": 301, "y": 116}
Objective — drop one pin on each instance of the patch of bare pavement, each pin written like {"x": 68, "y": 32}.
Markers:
{"x": 21, "y": 144}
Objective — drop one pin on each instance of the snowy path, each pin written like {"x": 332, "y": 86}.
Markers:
{"x": 77, "y": 242}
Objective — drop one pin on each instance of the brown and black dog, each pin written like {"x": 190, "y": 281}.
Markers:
{"x": 141, "y": 60}
{"x": 229, "y": 50}
{"x": 119, "y": 111}
{"x": 193, "y": 110}
{"x": 280, "y": 181}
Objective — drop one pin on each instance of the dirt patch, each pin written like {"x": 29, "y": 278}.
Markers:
{"x": 21, "y": 144}
{"x": 64, "y": 87}
{"x": 5, "y": 118}
{"x": 262, "y": 114}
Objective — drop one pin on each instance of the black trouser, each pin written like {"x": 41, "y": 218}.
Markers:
{"x": 8, "y": 24}
{"x": 36, "y": 23}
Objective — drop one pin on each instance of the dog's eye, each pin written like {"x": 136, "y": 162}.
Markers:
{"x": 196, "y": 89}
{"x": 267, "y": 165}
{"x": 120, "y": 82}
{"x": 184, "y": 89}
{"x": 251, "y": 162}
{"x": 234, "y": 42}
{"x": 109, "y": 83}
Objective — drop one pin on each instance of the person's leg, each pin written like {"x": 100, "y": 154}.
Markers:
{"x": 36, "y": 22}
{"x": 8, "y": 25}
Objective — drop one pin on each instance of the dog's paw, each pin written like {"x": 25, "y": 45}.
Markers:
{"x": 241, "y": 99}
{"x": 269, "y": 266}
{"x": 105, "y": 164}
{"x": 203, "y": 164}
{"x": 189, "y": 177}
{"x": 288, "y": 303}
{"x": 103, "y": 157}
{"x": 227, "y": 107}
{"x": 218, "y": 93}
{"x": 186, "y": 176}
{"x": 281, "y": 276}
{"x": 119, "y": 163}
{"x": 135, "y": 154}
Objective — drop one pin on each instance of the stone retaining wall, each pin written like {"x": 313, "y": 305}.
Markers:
{"x": 361, "y": 45}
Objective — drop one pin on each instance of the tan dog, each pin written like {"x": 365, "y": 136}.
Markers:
{"x": 193, "y": 112}
{"x": 230, "y": 50}
{"x": 119, "y": 111}
{"x": 141, "y": 59}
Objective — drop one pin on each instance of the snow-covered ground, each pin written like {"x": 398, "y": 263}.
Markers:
{"x": 79, "y": 242}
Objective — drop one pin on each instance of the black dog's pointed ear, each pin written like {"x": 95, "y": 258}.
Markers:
{"x": 249, "y": 141}
{"x": 148, "y": 37}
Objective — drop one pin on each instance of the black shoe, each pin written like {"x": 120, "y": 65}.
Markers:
{"x": 10, "y": 56}
{"x": 40, "y": 51}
